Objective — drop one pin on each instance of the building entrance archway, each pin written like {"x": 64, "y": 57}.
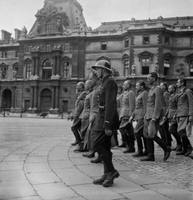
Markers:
{"x": 45, "y": 104}
{"x": 6, "y": 99}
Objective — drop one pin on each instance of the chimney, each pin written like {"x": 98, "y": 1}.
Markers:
{"x": 17, "y": 33}
{"x": 6, "y": 36}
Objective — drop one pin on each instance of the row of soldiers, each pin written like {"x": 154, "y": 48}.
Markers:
{"x": 161, "y": 109}
{"x": 175, "y": 118}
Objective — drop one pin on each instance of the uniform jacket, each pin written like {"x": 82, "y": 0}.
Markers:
{"x": 86, "y": 108}
{"x": 107, "y": 117}
{"x": 185, "y": 104}
{"x": 172, "y": 107}
{"x": 127, "y": 104}
{"x": 79, "y": 104}
{"x": 140, "y": 105}
{"x": 94, "y": 104}
{"x": 155, "y": 103}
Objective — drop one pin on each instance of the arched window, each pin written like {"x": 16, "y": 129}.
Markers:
{"x": 49, "y": 27}
{"x": 47, "y": 69}
{"x": 28, "y": 68}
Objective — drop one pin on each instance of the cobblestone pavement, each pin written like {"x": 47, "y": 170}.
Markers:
{"x": 37, "y": 162}
{"x": 178, "y": 170}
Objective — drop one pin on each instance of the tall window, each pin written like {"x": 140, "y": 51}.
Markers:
{"x": 3, "y": 71}
{"x": 126, "y": 68}
{"x": 66, "y": 68}
{"x": 4, "y": 54}
{"x": 145, "y": 39}
{"x": 103, "y": 45}
{"x": 145, "y": 65}
{"x": 167, "y": 41}
{"x": 49, "y": 27}
{"x": 166, "y": 66}
{"x": 48, "y": 47}
{"x": 47, "y": 69}
{"x": 191, "y": 67}
{"x": 66, "y": 46}
{"x": 29, "y": 48}
{"x": 16, "y": 53}
{"x": 191, "y": 41}
{"x": 126, "y": 42}
{"x": 28, "y": 67}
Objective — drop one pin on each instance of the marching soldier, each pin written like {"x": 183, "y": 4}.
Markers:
{"x": 107, "y": 120}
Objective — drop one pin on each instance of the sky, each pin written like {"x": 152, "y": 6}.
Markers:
{"x": 20, "y": 13}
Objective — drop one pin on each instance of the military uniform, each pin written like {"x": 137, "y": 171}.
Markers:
{"x": 79, "y": 105}
{"x": 106, "y": 118}
{"x": 154, "y": 110}
{"x": 171, "y": 116}
{"x": 184, "y": 115}
{"x": 138, "y": 116}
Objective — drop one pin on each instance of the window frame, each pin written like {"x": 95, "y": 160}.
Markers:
{"x": 146, "y": 42}
{"x": 103, "y": 46}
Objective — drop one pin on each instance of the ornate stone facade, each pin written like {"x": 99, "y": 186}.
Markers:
{"x": 39, "y": 70}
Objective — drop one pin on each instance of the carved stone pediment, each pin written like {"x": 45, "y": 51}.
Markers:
{"x": 50, "y": 20}
{"x": 145, "y": 54}
{"x": 49, "y": 10}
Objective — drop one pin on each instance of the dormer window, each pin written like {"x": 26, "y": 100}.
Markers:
{"x": 49, "y": 27}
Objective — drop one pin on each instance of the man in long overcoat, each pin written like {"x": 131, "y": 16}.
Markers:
{"x": 107, "y": 121}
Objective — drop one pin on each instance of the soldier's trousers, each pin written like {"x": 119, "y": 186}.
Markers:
{"x": 102, "y": 145}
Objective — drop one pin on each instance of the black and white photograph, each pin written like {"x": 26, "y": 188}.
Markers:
{"x": 96, "y": 100}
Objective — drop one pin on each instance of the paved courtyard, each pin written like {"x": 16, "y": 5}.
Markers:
{"x": 37, "y": 162}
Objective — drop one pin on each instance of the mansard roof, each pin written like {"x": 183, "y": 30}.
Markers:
{"x": 172, "y": 22}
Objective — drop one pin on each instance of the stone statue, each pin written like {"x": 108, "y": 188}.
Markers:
{"x": 133, "y": 70}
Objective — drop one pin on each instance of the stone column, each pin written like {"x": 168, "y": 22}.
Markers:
{"x": 37, "y": 66}
{"x": 54, "y": 66}
{"x": 57, "y": 97}
{"x": 35, "y": 96}
{"x": 33, "y": 65}
{"x": 58, "y": 66}
{"x": 13, "y": 98}
{"x": 53, "y": 97}
{"x": 31, "y": 97}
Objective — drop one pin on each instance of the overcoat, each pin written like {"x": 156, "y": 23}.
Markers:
{"x": 107, "y": 117}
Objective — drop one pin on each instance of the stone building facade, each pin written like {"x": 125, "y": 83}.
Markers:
{"x": 39, "y": 70}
